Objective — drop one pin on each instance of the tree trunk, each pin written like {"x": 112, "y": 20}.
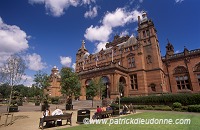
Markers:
{"x": 92, "y": 102}
{"x": 9, "y": 103}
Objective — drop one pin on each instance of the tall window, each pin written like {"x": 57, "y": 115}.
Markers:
{"x": 182, "y": 82}
{"x": 134, "y": 83}
{"x": 182, "y": 79}
{"x": 198, "y": 77}
{"x": 144, "y": 34}
{"x": 148, "y": 33}
{"x": 131, "y": 62}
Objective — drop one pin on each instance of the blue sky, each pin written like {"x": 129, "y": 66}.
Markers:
{"x": 49, "y": 32}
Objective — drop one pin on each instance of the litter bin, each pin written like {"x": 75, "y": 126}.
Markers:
{"x": 81, "y": 115}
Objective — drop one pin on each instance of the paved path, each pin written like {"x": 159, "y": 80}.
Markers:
{"x": 28, "y": 116}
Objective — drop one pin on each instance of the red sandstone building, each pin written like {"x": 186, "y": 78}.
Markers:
{"x": 54, "y": 89}
{"x": 137, "y": 63}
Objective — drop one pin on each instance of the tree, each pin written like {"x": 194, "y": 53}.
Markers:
{"x": 5, "y": 90}
{"x": 121, "y": 88}
{"x": 101, "y": 87}
{"x": 94, "y": 88}
{"x": 42, "y": 81}
{"x": 70, "y": 84}
{"x": 11, "y": 73}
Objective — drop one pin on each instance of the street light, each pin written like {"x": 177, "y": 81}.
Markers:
{"x": 107, "y": 90}
{"x": 120, "y": 94}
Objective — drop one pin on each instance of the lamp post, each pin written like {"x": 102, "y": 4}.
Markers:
{"x": 161, "y": 88}
{"x": 120, "y": 94}
{"x": 107, "y": 91}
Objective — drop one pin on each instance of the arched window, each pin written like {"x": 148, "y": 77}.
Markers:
{"x": 180, "y": 70}
{"x": 87, "y": 82}
{"x": 182, "y": 78}
{"x": 197, "y": 71}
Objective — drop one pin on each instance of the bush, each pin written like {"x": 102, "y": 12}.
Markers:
{"x": 163, "y": 108}
{"x": 194, "y": 108}
{"x": 166, "y": 99}
{"x": 177, "y": 109}
{"x": 149, "y": 108}
{"x": 176, "y": 105}
{"x": 184, "y": 108}
{"x": 54, "y": 100}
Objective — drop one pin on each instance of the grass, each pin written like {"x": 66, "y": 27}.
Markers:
{"x": 195, "y": 125}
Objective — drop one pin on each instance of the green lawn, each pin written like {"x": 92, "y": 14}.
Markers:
{"x": 195, "y": 122}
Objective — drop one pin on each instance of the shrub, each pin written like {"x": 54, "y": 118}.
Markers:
{"x": 176, "y": 105}
{"x": 177, "y": 109}
{"x": 149, "y": 107}
{"x": 166, "y": 99}
{"x": 184, "y": 108}
{"x": 194, "y": 108}
{"x": 163, "y": 108}
{"x": 54, "y": 100}
{"x": 140, "y": 107}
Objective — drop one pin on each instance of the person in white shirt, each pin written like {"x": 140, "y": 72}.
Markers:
{"x": 58, "y": 112}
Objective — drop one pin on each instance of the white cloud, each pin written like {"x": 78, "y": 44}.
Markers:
{"x": 178, "y": 51}
{"x": 74, "y": 66}
{"x": 88, "y": 1}
{"x": 179, "y": 1}
{"x": 91, "y": 13}
{"x": 97, "y": 33}
{"x": 100, "y": 46}
{"x": 65, "y": 61}
{"x": 34, "y": 62}
{"x": 27, "y": 80}
{"x": 124, "y": 33}
{"x": 12, "y": 40}
{"x": 119, "y": 17}
{"x": 58, "y": 7}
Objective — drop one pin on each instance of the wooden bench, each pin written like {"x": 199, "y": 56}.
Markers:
{"x": 65, "y": 116}
{"x": 104, "y": 114}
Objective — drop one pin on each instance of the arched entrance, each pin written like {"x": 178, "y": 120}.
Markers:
{"x": 122, "y": 83}
{"x": 105, "y": 92}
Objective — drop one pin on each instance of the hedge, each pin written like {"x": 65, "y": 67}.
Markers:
{"x": 165, "y": 99}
{"x": 194, "y": 108}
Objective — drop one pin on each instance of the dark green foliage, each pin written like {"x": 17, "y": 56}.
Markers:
{"x": 163, "y": 108}
{"x": 194, "y": 108}
{"x": 176, "y": 105}
{"x": 42, "y": 80}
{"x": 5, "y": 90}
{"x": 23, "y": 90}
{"x": 70, "y": 82}
{"x": 184, "y": 108}
{"x": 167, "y": 99}
{"x": 54, "y": 100}
{"x": 177, "y": 109}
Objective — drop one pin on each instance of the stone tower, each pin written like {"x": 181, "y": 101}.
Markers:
{"x": 54, "y": 89}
